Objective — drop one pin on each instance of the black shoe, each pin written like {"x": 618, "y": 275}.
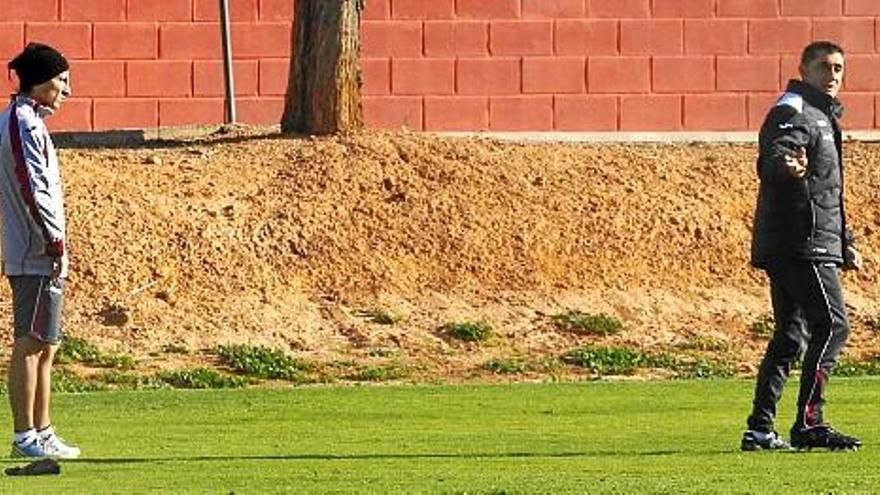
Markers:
{"x": 758, "y": 440}
{"x": 823, "y": 437}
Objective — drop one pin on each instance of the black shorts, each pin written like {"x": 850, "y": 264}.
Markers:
{"x": 37, "y": 301}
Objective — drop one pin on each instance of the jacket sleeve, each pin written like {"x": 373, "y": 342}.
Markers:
{"x": 785, "y": 130}
{"x": 36, "y": 183}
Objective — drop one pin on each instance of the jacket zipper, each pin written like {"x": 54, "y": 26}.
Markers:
{"x": 812, "y": 220}
{"x": 812, "y": 210}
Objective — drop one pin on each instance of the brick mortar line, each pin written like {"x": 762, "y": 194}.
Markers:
{"x": 98, "y": 138}
{"x": 638, "y": 137}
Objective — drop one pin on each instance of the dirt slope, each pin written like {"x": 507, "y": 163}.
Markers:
{"x": 280, "y": 241}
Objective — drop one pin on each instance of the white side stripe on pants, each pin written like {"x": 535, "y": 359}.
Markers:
{"x": 824, "y": 348}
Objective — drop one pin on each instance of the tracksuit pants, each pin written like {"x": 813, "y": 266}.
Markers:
{"x": 810, "y": 319}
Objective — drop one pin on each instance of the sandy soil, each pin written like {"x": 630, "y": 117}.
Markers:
{"x": 250, "y": 237}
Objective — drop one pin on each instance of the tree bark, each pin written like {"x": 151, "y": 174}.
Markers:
{"x": 324, "y": 84}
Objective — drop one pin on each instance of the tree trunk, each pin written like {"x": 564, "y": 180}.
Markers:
{"x": 324, "y": 84}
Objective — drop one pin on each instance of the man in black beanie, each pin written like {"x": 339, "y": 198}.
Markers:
{"x": 38, "y": 64}
{"x": 34, "y": 258}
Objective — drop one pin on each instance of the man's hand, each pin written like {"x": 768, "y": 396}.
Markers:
{"x": 796, "y": 163}
{"x": 852, "y": 259}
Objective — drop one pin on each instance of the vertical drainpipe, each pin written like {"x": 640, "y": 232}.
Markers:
{"x": 227, "y": 62}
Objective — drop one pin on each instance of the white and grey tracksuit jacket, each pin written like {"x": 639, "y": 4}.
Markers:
{"x": 33, "y": 226}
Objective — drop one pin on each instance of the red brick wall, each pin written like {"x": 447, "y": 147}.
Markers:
{"x": 147, "y": 63}
{"x": 504, "y": 65}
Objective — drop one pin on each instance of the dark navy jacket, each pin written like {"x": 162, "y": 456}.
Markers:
{"x": 801, "y": 219}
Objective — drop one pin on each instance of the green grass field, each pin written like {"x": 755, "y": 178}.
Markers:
{"x": 594, "y": 437}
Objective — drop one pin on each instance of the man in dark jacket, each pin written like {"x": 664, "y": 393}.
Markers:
{"x": 800, "y": 239}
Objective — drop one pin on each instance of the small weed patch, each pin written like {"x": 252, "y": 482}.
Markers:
{"x": 378, "y": 316}
{"x": 702, "y": 343}
{"x": 505, "y": 366}
{"x": 117, "y": 361}
{"x": 78, "y": 350}
{"x": 175, "y": 349}
{"x": 625, "y": 361}
{"x": 584, "y": 323}
{"x": 848, "y": 367}
{"x": 200, "y": 378}
{"x": 606, "y": 360}
{"x": 65, "y": 380}
{"x": 469, "y": 331}
{"x": 764, "y": 326}
{"x": 377, "y": 374}
{"x": 702, "y": 368}
{"x": 121, "y": 380}
{"x": 262, "y": 362}
{"x": 549, "y": 364}
{"x": 381, "y": 352}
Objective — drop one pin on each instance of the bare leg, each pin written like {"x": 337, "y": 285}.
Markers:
{"x": 43, "y": 392}
{"x": 22, "y": 378}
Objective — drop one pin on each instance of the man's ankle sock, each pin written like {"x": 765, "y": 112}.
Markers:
{"x": 46, "y": 432}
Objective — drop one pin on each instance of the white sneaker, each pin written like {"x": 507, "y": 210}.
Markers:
{"x": 54, "y": 446}
{"x": 32, "y": 448}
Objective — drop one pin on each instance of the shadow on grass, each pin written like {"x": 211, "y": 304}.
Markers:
{"x": 355, "y": 457}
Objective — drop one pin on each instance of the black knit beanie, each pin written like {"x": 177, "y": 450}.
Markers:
{"x": 36, "y": 64}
